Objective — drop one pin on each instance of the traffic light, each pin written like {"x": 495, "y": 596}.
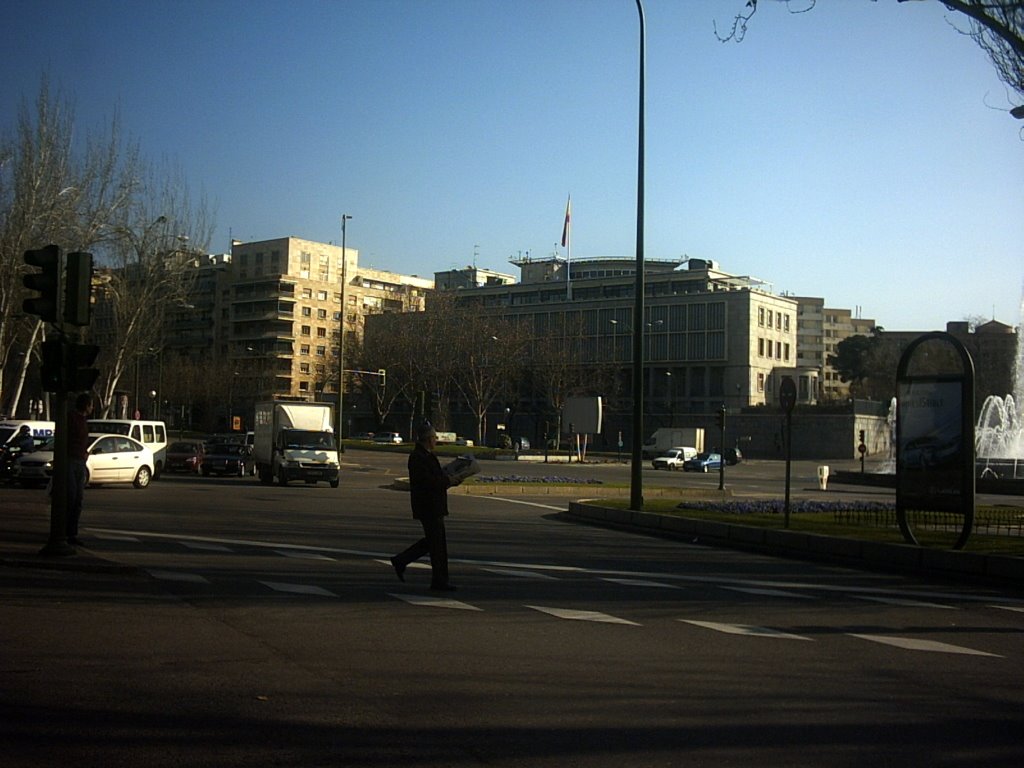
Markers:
{"x": 47, "y": 282}
{"x": 52, "y": 370}
{"x": 720, "y": 418}
{"x": 78, "y": 289}
{"x": 79, "y": 375}
{"x": 862, "y": 437}
{"x": 382, "y": 372}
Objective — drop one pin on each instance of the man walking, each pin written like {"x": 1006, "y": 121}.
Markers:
{"x": 428, "y": 493}
{"x": 78, "y": 452}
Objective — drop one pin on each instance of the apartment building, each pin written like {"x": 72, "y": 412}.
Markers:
{"x": 819, "y": 331}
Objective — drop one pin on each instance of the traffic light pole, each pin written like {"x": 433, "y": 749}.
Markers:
{"x": 58, "y": 541}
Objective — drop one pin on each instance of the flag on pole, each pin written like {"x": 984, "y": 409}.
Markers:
{"x": 568, "y": 217}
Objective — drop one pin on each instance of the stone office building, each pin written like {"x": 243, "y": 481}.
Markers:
{"x": 711, "y": 338}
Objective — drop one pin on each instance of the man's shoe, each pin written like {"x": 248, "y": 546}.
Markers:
{"x": 442, "y": 588}
{"x": 399, "y": 569}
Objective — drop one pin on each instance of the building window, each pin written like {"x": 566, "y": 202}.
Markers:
{"x": 307, "y": 293}
{"x": 785, "y": 352}
{"x": 760, "y": 382}
{"x": 760, "y": 316}
{"x": 307, "y": 312}
{"x": 760, "y": 347}
{"x": 303, "y": 386}
{"x": 321, "y": 314}
{"x": 305, "y": 330}
{"x": 321, "y": 351}
{"x": 770, "y": 313}
{"x": 303, "y": 367}
{"x": 321, "y": 333}
{"x": 321, "y": 295}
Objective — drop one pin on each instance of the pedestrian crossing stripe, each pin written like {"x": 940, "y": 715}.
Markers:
{"x": 204, "y": 546}
{"x": 192, "y": 578}
{"x": 298, "y": 589}
{"x": 574, "y": 615}
{"x": 641, "y": 583}
{"x": 430, "y": 601}
{"x": 769, "y": 592}
{"x": 904, "y": 602}
{"x": 934, "y": 646}
{"x": 299, "y": 555}
{"x": 745, "y": 629}
{"x": 520, "y": 574}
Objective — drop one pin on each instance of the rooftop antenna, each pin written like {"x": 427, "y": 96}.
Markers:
{"x": 476, "y": 252}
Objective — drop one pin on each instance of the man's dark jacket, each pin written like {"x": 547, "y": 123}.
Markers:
{"x": 428, "y": 485}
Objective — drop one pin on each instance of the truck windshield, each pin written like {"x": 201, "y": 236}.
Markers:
{"x": 301, "y": 439}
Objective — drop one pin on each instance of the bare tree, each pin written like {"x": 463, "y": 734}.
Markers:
{"x": 149, "y": 271}
{"x": 52, "y": 190}
{"x": 995, "y": 25}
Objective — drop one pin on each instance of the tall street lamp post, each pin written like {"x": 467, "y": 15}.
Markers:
{"x": 636, "y": 494}
{"x": 341, "y": 335}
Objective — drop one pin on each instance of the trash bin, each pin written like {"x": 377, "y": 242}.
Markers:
{"x": 823, "y": 478}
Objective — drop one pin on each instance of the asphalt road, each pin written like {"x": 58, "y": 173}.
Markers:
{"x": 263, "y": 628}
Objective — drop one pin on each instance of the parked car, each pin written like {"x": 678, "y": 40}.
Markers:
{"x": 185, "y": 456}
{"x": 674, "y": 458}
{"x": 227, "y": 459}
{"x": 388, "y": 437}
{"x": 362, "y": 436}
{"x": 112, "y": 459}
{"x": 703, "y": 462}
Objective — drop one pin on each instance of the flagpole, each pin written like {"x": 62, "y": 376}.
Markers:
{"x": 567, "y": 242}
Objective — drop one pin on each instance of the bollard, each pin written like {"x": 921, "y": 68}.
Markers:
{"x": 823, "y": 478}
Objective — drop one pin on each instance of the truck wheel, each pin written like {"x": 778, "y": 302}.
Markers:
{"x": 281, "y": 478}
{"x": 335, "y": 483}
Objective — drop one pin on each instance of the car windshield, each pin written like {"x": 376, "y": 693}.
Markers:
{"x": 301, "y": 439}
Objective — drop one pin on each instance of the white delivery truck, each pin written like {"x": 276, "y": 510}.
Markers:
{"x": 41, "y": 430}
{"x": 295, "y": 441}
{"x": 674, "y": 437}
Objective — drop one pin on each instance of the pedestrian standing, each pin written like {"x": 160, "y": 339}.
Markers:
{"x": 78, "y": 452}
{"x": 428, "y": 493}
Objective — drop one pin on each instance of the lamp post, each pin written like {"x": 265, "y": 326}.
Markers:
{"x": 341, "y": 335}
{"x": 636, "y": 497}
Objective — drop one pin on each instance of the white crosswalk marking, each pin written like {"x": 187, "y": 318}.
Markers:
{"x": 115, "y": 537}
{"x": 574, "y": 615}
{"x": 642, "y": 583}
{"x": 769, "y": 592}
{"x": 520, "y": 574}
{"x": 300, "y": 555}
{"x": 413, "y": 565}
{"x": 745, "y": 629}
{"x": 192, "y": 578}
{"x": 204, "y": 546}
{"x": 933, "y": 646}
{"x": 430, "y": 601}
{"x": 298, "y": 589}
{"x": 904, "y": 602}
{"x": 1018, "y": 608}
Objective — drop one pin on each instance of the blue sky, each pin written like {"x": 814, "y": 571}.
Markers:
{"x": 861, "y": 152}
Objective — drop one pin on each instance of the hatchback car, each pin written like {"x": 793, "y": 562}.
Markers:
{"x": 226, "y": 459}
{"x": 112, "y": 459}
{"x": 703, "y": 462}
{"x": 185, "y": 456}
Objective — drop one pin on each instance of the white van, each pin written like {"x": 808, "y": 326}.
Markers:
{"x": 41, "y": 430}
{"x": 152, "y": 434}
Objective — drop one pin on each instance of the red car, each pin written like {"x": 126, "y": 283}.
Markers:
{"x": 185, "y": 456}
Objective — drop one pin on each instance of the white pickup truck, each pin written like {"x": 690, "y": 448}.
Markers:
{"x": 674, "y": 458}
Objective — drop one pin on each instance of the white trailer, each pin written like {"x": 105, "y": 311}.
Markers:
{"x": 295, "y": 441}
{"x": 674, "y": 437}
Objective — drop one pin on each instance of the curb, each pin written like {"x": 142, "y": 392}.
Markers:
{"x": 903, "y": 558}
